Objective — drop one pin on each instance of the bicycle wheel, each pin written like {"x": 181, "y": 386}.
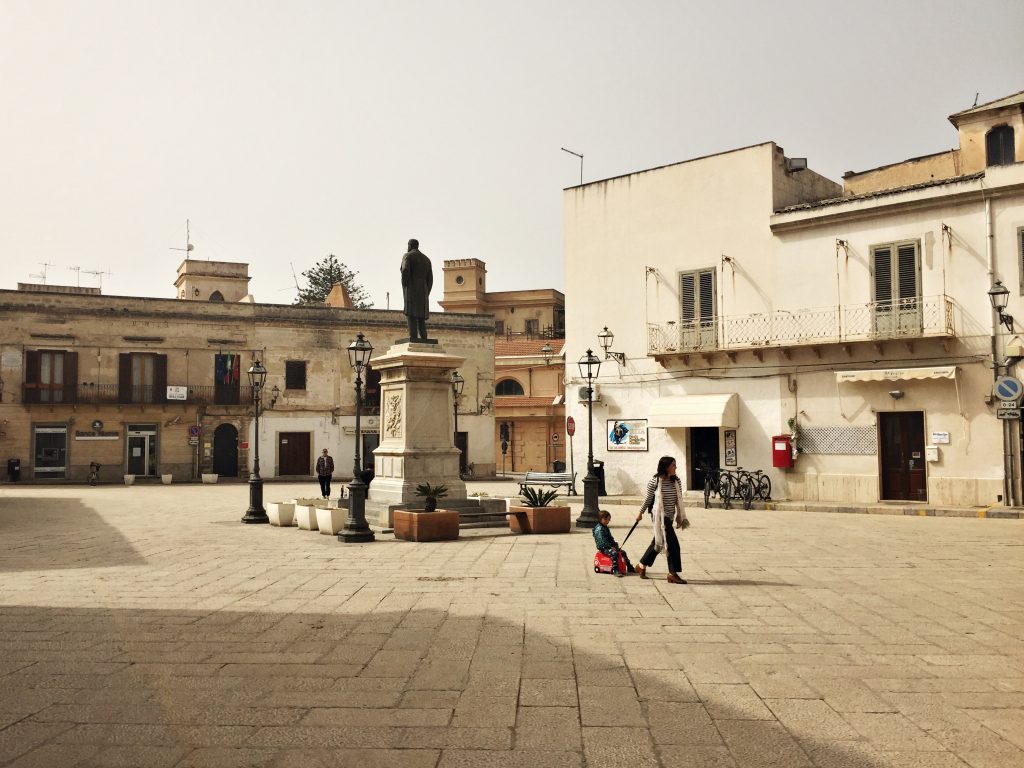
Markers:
{"x": 764, "y": 488}
{"x": 726, "y": 489}
{"x": 745, "y": 490}
{"x": 707, "y": 491}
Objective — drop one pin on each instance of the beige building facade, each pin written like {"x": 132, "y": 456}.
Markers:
{"x": 768, "y": 305}
{"x": 158, "y": 387}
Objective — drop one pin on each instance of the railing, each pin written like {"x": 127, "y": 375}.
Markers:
{"x": 875, "y": 321}
{"x": 113, "y": 394}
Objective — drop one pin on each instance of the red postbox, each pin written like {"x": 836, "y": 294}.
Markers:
{"x": 782, "y": 452}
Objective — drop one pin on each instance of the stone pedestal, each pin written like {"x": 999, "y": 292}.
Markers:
{"x": 416, "y": 429}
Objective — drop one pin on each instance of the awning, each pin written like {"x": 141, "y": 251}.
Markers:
{"x": 898, "y": 374}
{"x": 695, "y": 411}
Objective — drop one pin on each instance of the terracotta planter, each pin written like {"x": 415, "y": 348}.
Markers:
{"x": 539, "y": 519}
{"x": 418, "y": 525}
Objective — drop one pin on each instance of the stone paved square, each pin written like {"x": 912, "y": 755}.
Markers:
{"x": 145, "y": 626}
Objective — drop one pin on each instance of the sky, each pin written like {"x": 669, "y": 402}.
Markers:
{"x": 287, "y": 131}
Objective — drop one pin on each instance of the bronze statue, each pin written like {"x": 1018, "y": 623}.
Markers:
{"x": 417, "y": 280}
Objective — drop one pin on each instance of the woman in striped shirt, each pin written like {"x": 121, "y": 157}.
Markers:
{"x": 664, "y": 491}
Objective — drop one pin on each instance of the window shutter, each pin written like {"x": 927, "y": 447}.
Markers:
{"x": 70, "y": 377}
{"x": 883, "y": 274}
{"x": 906, "y": 265}
{"x": 707, "y": 295}
{"x": 124, "y": 377}
{"x": 159, "y": 378}
{"x": 30, "y": 392}
{"x": 295, "y": 374}
{"x": 687, "y": 291}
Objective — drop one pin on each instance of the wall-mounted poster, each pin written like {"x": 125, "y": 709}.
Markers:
{"x": 627, "y": 434}
{"x": 730, "y": 447}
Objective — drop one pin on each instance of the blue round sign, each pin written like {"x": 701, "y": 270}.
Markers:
{"x": 1009, "y": 388}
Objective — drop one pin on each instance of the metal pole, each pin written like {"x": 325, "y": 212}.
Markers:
{"x": 588, "y": 515}
{"x": 256, "y": 513}
{"x": 356, "y": 531}
{"x": 572, "y": 468}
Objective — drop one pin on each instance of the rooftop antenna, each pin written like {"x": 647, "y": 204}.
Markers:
{"x": 188, "y": 242}
{"x": 99, "y": 275}
{"x": 577, "y": 154}
{"x": 78, "y": 274}
{"x": 42, "y": 275}
{"x": 976, "y": 95}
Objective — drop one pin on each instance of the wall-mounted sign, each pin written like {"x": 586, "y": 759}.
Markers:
{"x": 730, "y": 447}
{"x": 940, "y": 438}
{"x": 627, "y": 434}
{"x": 96, "y": 436}
{"x": 177, "y": 393}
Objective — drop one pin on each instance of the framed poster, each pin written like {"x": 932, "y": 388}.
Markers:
{"x": 627, "y": 434}
{"x": 730, "y": 447}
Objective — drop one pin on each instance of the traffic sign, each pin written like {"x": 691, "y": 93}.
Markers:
{"x": 570, "y": 426}
{"x": 195, "y": 430}
{"x": 1009, "y": 388}
{"x": 1007, "y": 403}
{"x": 1008, "y": 413}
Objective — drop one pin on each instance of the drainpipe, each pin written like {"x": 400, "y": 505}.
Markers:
{"x": 1009, "y": 491}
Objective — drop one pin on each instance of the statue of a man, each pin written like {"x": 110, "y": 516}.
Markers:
{"x": 417, "y": 280}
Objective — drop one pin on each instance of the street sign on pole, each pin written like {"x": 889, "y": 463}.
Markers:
{"x": 1009, "y": 388}
{"x": 570, "y": 426}
{"x": 1008, "y": 413}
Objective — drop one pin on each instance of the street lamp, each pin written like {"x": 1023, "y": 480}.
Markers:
{"x": 356, "y": 531}
{"x": 998, "y": 296}
{"x": 606, "y": 338}
{"x": 458, "y": 383}
{"x": 590, "y": 365}
{"x": 256, "y": 513}
{"x": 548, "y": 352}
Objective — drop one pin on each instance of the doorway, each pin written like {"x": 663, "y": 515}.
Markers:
{"x": 370, "y": 442}
{"x": 901, "y": 444}
{"x": 51, "y": 449}
{"x": 462, "y": 443}
{"x": 293, "y": 453}
{"x": 703, "y": 454}
{"x": 225, "y": 450}
{"x": 142, "y": 446}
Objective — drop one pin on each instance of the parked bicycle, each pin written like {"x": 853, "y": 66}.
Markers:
{"x": 761, "y": 483}
{"x": 94, "y": 472}
{"x": 743, "y": 484}
{"x": 720, "y": 482}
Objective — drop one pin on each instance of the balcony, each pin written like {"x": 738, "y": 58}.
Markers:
{"x": 904, "y": 319}
{"x": 112, "y": 394}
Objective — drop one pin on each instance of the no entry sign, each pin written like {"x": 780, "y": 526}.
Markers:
{"x": 570, "y": 426}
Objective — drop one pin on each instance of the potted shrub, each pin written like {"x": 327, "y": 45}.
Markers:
{"x": 535, "y": 515}
{"x": 429, "y": 523}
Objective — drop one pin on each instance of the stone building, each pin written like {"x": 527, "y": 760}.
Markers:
{"x": 759, "y": 304}
{"x": 151, "y": 387}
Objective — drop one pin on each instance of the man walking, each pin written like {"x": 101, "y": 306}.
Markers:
{"x": 324, "y": 470}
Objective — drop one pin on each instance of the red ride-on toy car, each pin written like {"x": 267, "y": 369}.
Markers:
{"x": 603, "y": 563}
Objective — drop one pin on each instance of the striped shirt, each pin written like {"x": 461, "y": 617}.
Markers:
{"x": 669, "y": 495}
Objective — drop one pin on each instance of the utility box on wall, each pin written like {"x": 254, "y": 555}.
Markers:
{"x": 782, "y": 452}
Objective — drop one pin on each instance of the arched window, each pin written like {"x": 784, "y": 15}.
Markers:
{"x": 509, "y": 388}
{"x": 216, "y": 296}
{"x": 999, "y": 146}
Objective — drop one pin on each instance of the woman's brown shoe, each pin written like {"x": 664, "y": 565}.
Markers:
{"x": 642, "y": 570}
{"x": 673, "y": 579}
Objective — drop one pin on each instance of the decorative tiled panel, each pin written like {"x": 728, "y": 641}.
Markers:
{"x": 842, "y": 440}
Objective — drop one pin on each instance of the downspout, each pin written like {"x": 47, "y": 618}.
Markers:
{"x": 1008, "y": 488}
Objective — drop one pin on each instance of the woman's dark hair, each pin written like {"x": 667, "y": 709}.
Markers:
{"x": 663, "y": 464}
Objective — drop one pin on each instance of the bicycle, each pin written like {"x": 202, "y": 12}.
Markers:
{"x": 94, "y": 473}
{"x": 721, "y": 482}
{"x": 746, "y": 487}
{"x": 467, "y": 473}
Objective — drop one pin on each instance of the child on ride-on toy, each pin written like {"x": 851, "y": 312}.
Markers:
{"x": 607, "y": 545}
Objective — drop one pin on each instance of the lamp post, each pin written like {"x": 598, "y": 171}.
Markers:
{"x": 590, "y": 366}
{"x": 458, "y": 383}
{"x": 547, "y": 351}
{"x": 356, "y": 531}
{"x": 256, "y": 513}
{"x": 998, "y": 297}
{"x": 606, "y": 338}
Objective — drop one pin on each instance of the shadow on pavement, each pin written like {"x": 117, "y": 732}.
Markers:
{"x": 49, "y": 534}
{"x": 372, "y": 685}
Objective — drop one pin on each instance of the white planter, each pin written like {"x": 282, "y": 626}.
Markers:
{"x": 166, "y": 479}
{"x": 209, "y": 478}
{"x": 129, "y": 479}
{"x": 282, "y": 513}
{"x": 305, "y": 517}
{"x": 331, "y": 520}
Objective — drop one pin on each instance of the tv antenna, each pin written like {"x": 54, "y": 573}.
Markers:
{"x": 188, "y": 240}
{"x": 42, "y": 275}
{"x": 577, "y": 154}
{"x": 78, "y": 274}
{"x": 99, "y": 275}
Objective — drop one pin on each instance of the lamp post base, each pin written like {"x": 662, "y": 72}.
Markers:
{"x": 588, "y": 515}
{"x": 255, "y": 514}
{"x": 356, "y": 531}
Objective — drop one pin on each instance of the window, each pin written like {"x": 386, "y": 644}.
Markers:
{"x": 499, "y": 327}
{"x": 371, "y": 392}
{"x": 896, "y": 281}
{"x": 999, "y": 146}
{"x": 509, "y": 388}
{"x": 51, "y": 376}
{"x": 216, "y": 296}
{"x": 697, "y": 309}
{"x": 459, "y": 280}
{"x": 141, "y": 378}
{"x": 227, "y": 379}
{"x": 294, "y": 374}
{"x": 532, "y": 327}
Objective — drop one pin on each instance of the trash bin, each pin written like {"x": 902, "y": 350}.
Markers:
{"x": 599, "y": 474}
{"x": 558, "y": 466}
{"x": 14, "y": 470}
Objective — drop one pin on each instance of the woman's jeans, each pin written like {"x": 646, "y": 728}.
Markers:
{"x": 675, "y": 560}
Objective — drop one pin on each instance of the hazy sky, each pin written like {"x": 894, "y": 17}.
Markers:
{"x": 289, "y": 130}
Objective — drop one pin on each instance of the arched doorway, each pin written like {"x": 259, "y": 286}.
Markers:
{"x": 225, "y": 450}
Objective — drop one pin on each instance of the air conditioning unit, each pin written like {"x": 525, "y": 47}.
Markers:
{"x": 582, "y": 394}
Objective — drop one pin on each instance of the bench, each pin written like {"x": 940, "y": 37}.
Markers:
{"x": 554, "y": 479}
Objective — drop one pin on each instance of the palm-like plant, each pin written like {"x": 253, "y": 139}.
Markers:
{"x": 430, "y": 494}
{"x": 533, "y": 497}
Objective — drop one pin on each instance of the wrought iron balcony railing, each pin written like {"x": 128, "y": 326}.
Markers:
{"x": 113, "y": 394}
{"x": 913, "y": 318}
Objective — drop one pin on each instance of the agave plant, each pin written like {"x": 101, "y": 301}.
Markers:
{"x": 430, "y": 494}
{"x": 533, "y": 497}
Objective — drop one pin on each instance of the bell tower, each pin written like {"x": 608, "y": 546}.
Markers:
{"x": 465, "y": 286}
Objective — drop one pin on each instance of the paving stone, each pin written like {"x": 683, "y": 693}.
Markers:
{"x": 526, "y": 758}
{"x": 548, "y": 728}
{"x": 681, "y": 724}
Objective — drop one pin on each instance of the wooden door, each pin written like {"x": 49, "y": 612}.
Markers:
{"x": 901, "y": 441}
{"x": 293, "y": 453}
{"x": 462, "y": 443}
{"x": 225, "y": 450}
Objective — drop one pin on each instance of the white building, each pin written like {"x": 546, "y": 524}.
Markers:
{"x": 754, "y": 298}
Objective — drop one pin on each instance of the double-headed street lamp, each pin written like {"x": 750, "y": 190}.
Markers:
{"x": 458, "y": 383}
{"x": 590, "y": 366}
{"x": 356, "y": 531}
{"x": 256, "y": 513}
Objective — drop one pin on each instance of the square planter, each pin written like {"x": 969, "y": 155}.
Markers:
{"x": 418, "y": 525}
{"x": 129, "y": 479}
{"x": 281, "y": 513}
{"x": 209, "y": 478}
{"x": 539, "y": 519}
{"x": 166, "y": 479}
{"x": 305, "y": 517}
{"x": 331, "y": 520}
